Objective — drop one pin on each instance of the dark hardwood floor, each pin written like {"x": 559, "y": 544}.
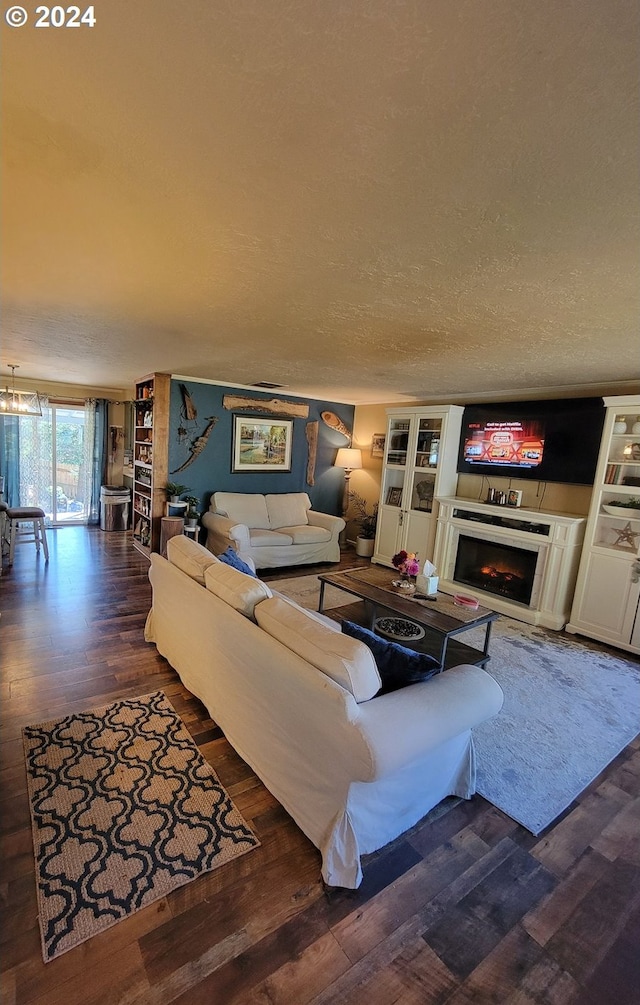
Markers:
{"x": 470, "y": 908}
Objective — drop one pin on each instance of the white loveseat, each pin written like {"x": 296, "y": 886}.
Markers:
{"x": 296, "y": 699}
{"x": 272, "y": 530}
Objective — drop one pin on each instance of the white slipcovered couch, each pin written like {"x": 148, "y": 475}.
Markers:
{"x": 272, "y": 530}
{"x": 295, "y": 698}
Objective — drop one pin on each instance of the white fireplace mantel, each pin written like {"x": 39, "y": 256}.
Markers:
{"x": 556, "y": 538}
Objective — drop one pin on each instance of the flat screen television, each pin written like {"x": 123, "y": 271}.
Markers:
{"x": 552, "y": 441}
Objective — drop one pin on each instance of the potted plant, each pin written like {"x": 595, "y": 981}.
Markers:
{"x": 192, "y": 517}
{"x": 367, "y": 521}
{"x": 174, "y": 490}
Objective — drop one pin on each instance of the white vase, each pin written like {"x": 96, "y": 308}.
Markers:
{"x": 364, "y": 547}
{"x": 620, "y": 426}
{"x": 635, "y": 429}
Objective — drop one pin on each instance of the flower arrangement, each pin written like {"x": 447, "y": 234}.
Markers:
{"x": 406, "y": 562}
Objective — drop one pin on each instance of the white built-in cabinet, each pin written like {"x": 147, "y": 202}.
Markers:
{"x": 421, "y": 452}
{"x": 606, "y": 600}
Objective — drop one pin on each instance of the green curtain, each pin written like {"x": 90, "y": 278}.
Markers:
{"x": 10, "y": 458}
{"x": 99, "y": 454}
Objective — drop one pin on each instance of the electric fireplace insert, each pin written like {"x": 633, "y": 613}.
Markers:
{"x": 501, "y": 569}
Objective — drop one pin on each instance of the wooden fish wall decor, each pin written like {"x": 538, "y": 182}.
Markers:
{"x": 335, "y": 422}
{"x": 197, "y": 445}
{"x": 311, "y": 432}
{"x": 275, "y": 406}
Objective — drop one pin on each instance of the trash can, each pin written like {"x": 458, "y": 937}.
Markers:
{"x": 114, "y": 507}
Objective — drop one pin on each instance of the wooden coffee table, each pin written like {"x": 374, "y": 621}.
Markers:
{"x": 441, "y": 618}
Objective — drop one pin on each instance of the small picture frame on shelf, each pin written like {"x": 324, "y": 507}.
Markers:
{"x": 394, "y": 495}
{"x": 377, "y": 444}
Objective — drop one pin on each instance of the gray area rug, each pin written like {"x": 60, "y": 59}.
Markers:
{"x": 305, "y": 590}
{"x": 570, "y": 707}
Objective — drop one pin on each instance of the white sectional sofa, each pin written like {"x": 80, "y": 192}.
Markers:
{"x": 272, "y": 530}
{"x": 296, "y": 698}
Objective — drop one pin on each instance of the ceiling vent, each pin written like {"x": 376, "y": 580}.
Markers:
{"x": 268, "y": 384}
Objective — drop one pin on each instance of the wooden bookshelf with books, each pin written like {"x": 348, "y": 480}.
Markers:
{"x": 150, "y": 459}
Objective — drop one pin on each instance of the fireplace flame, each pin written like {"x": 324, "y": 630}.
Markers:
{"x": 503, "y": 571}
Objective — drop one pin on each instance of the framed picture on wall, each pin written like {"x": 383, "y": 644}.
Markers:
{"x": 261, "y": 444}
{"x": 377, "y": 444}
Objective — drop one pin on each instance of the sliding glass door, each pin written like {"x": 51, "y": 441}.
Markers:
{"x": 53, "y": 468}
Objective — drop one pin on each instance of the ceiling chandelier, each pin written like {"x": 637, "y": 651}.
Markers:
{"x": 13, "y": 402}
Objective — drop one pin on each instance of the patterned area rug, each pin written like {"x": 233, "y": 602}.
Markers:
{"x": 570, "y": 707}
{"x": 124, "y": 809}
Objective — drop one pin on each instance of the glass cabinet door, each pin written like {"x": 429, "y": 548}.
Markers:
{"x": 396, "y": 461}
{"x": 398, "y": 442}
{"x": 425, "y": 464}
{"x": 618, "y": 525}
{"x": 423, "y": 485}
{"x": 428, "y": 443}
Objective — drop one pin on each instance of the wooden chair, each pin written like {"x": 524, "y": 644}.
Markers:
{"x": 15, "y": 515}
{"x": 4, "y": 533}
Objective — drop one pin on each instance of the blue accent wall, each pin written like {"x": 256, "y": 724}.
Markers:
{"x": 211, "y": 470}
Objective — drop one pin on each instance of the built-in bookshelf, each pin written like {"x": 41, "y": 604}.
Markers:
{"x": 626, "y": 472}
{"x": 150, "y": 459}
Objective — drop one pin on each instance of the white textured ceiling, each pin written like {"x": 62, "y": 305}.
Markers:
{"x": 358, "y": 200}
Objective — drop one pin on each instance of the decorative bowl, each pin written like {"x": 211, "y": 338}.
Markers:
{"x": 462, "y": 600}
{"x": 403, "y": 586}
{"x": 399, "y": 629}
{"x": 624, "y": 512}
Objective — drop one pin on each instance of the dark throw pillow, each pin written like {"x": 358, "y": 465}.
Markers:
{"x": 231, "y": 557}
{"x": 397, "y": 665}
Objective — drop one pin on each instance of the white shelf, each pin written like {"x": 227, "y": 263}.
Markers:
{"x": 606, "y": 602}
{"x": 414, "y": 434}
